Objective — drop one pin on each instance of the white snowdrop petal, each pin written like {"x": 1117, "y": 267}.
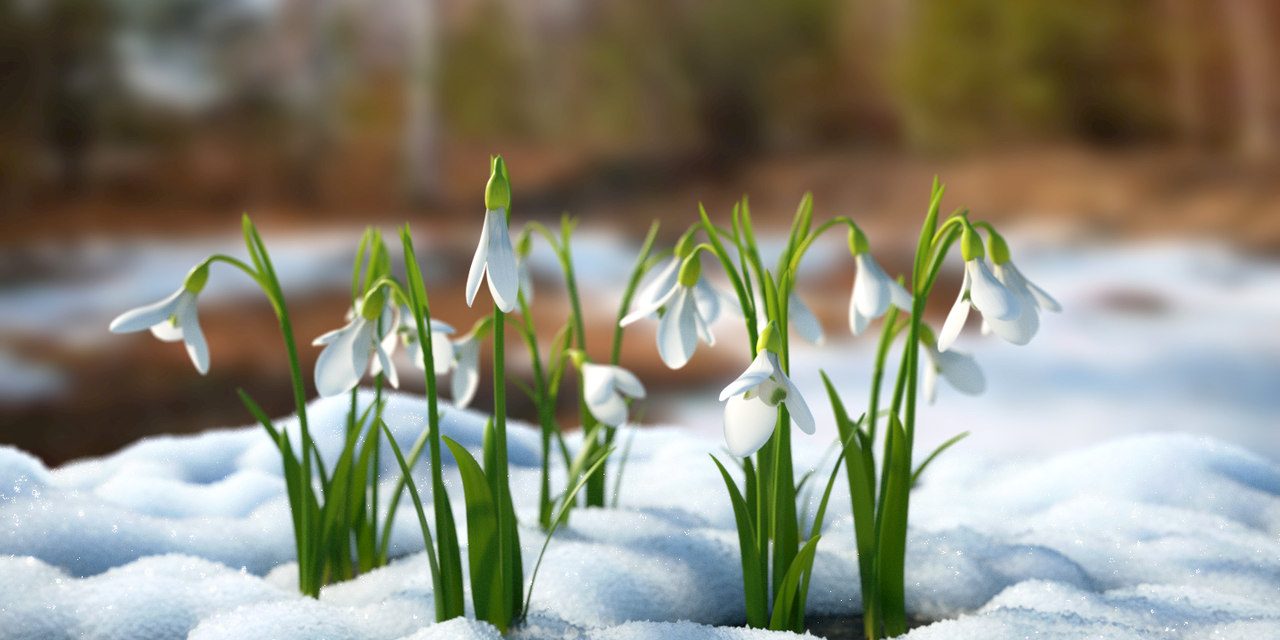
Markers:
{"x": 992, "y": 298}
{"x": 610, "y": 410}
{"x": 649, "y": 307}
{"x": 440, "y": 326}
{"x": 870, "y": 287}
{"x": 384, "y": 360}
{"x": 929, "y": 380}
{"x": 954, "y": 323}
{"x": 166, "y": 331}
{"x": 857, "y": 322}
{"x": 1019, "y": 330}
{"x": 146, "y": 316}
{"x": 192, "y": 334}
{"x": 898, "y": 296}
{"x": 756, "y": 373}
{"x": 803, "y": 321}
{"x": 704, "y": 329}
{"x": 1041, "y": 297}
{"x": 748, "y": 424}
{"x": 659, "y": 286}
{"x": 678, "y": 331}
{"x": 962, "y": 372}
{"x": 327, "y": 337}
{"x": 335, "y": 371}
{"x": 708, "y": 300}
{"x": 478, "y": 263}
{"x": 441, "y": 353}
{"x": 627, "y": 383}
{"x": 504, "y": 278}
{"x": 597, "y": 382}
{"x": 798, "y": 408}
{"x": 466, "y": 373}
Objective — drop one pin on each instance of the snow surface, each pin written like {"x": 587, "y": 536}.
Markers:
{"x": 1121, "y": 482}
{"x": 1168, "y": 536}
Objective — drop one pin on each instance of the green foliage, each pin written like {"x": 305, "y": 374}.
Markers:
{"x": 974, "y": 71}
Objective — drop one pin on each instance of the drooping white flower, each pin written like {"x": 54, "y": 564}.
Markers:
{"x": 709, "y": 299}
{"x": 605, "y": 389}
{"x": 466, "y": 370}
{"x": 1032, "y": 298}
{"x": 494, "y": 255}
{"x": 980, "y": 289}
{"x": 686, "y": 318}
{"x": 751, "y": 403}
{"x": 441, "y": 346}
{"x": 461, "y": 356}
{"x": 873, "y": 292}
{"x": 173, "y": 318}
{"x": 959, "y": 369}
{"x": 364, "y": 344}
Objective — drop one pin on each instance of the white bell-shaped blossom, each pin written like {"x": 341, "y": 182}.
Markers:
{"x": 466, "y": 370}
{"x": 605, "y": 389}
{"x": 959, "y": 369}
{"x": 710, "y": 300}
{"x": 364, "y": 344}
{"x": 495, "y": 258}
{"x": 873, "y": 292}
{"x": 686, "y": 315}
{"x": 171, "y": 319}
{"x": 993, "y": 300}
{"x": 1032, "y": 298}
{"x": 751, "y": 403}
{"x": 441, "y": 346}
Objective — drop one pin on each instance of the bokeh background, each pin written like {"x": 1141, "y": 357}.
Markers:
{"x": 133, "y": 134}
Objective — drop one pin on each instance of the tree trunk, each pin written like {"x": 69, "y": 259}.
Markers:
{"x": 1251, "y": 53}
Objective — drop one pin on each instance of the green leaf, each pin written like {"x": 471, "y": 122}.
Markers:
{"x": 488, "y": 587}
{"x": 915, "y": 477}
{"x": 437, "y": 584}
{"x": 893, "y": 531}
{"x": 861, "y": 477}
{"x": 788, "y": 613}
{"x": 754, "y": 571}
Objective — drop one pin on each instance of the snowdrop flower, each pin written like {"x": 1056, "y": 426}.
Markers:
{"x": 685, "y": 317}
{"x": 606, "y": 388}
{"x": 461, "y": 356}
{"x": 959, "y": 369}
{"x": 1032, "y": 298}
{"x": 173, "y": 318}
{"x": 750, "y": 412}
{"x": 369, "y": 337}
{"x": 873, "y": 289}
{"x": 494, "y": 255}
{"x": 441, "y": 346}
{"x": 709, "y": 299}
{"x": 466, "y": 369}
{"x": 997, "y": 304}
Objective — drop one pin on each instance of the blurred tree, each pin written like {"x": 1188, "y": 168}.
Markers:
{"x": 1248, "y": 22}
{"x": 976, "y": 70}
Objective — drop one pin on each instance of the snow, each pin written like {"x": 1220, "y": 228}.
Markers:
{"x": 1168, "y": 535}
{"x": 1122, "y": 482}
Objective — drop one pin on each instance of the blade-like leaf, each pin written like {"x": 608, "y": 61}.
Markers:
{"x": 915, "y": 477}
{"x": 788, "y": 614}
{"x": 488, "y": 587}
{"x": 893, "y": 531}
{"x": 754, "y": 571}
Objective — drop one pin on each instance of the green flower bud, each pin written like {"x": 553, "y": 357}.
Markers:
{"x": 197, "y": 278}
{"x": 576, "y": 356}
{"x": 690, "y": 270}
{"x": 858, "y": 243}
{"x": 497, "y": 193}
{"x": 371, "y": 306}
{"x": 684, "y": 246}
{"x": 770, "y": 339}
{"x": 971, "y": 243}
{"x": 998, "y": 247}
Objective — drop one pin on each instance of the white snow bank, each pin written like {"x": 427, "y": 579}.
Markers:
{"x": 1170, "y": 536}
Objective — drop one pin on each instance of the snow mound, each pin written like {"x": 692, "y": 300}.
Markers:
{"x": 1169, "y": 536}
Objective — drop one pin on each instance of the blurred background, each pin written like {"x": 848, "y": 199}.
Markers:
{"x": 1130, "y": 147}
